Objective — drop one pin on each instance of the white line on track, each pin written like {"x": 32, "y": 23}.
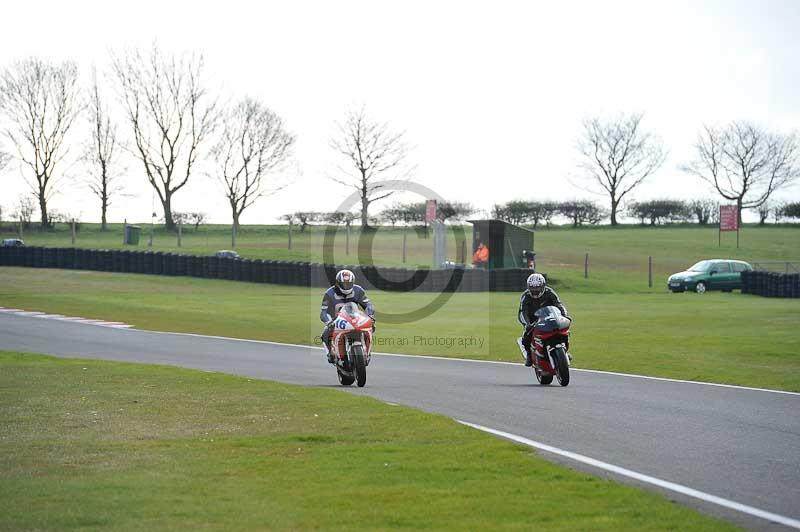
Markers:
{"x": 671, "y": 486}
{"x": 631, "y": 375}
{"x": 60, "y": 317}
{"x": 678, "y": 488}
{"x": 269, "y": 342}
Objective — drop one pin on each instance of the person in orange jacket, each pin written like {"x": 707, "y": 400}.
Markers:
{"x": 481, "y": 256}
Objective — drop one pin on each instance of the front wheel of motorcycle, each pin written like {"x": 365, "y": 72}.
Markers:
{"x": 543, "y": 379}
{"x": 360, "y": 365}
{"x": 345, "y": 380}
{"x": 562, "y": 365}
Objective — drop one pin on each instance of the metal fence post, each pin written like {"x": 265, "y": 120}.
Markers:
{"x": 586, "y": 267}
{"x": 650, "y": 271}
{"x": 405, "y": 229}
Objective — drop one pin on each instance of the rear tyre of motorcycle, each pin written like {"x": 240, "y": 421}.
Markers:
{"x": 345, "y": 380}
{"x": 543, "y": 379}
{"x": 562, "y": 366}
{"x": 360, "y": 365}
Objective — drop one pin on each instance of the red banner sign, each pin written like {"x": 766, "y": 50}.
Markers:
{"x": 430, "y": 211}
{"x": 728, "y": 218}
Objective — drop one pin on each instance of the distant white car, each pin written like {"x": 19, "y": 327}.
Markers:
{"x": 13, "y": 243}
{"x": 226, "y": 254}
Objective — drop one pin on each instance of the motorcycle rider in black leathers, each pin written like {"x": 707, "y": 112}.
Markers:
{"x": 342, "y": 292}
{"x": 537, "y": 295}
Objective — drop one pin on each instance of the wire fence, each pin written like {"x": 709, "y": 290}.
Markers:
{"x": 777, "y": 266}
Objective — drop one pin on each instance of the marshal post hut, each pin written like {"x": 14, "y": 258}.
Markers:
{"x": 508, "y": 244}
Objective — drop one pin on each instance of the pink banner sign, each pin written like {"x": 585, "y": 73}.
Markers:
{"x": 728, "y": 218}
{"x": 430, "y": 210}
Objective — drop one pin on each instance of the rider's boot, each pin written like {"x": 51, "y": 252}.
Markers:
{"x": 329, "y": 354}
{"x": 526, "y": 351}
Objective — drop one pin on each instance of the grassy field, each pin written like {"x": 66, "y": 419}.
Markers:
{"x": 618, "y": 257}
{"x": 728, "y": 338}
{"x": 96, "y": 445}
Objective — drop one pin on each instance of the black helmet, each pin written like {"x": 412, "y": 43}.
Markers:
{"x": 345, "y": 280}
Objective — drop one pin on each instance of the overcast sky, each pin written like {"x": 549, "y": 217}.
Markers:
{"x": 491, "y": 95}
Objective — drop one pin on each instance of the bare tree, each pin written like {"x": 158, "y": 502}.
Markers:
{"x": 171, "y": 116}
{"x": 777, "y": 211}
{"x": 516, "y": 211}
{"x": 704, "y": 210}
{"x": 340, "y": 217}
{"x": 371, "y": 151}
{"x": 618, "y": 156}
{"x": 24, "y": 210}
{"x": 101, "y": 152}
{"x": 744, "y": 162}
{"x": 40, "y": 101}
{"x": 4, "y": 157}
{"x": 661, "y": 211}
{"x": 581, "y": 212}
{"x": 791, "y": 210}
{"x": 197, "y": 218}
{"x": 253, "y": 144}
{"x": 764, "y": 210}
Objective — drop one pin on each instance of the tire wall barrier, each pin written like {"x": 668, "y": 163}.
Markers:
{"x": 315, "y": 275}
{"x": 771, "y": 284}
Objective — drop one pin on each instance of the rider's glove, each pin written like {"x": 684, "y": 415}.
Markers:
{"x": 329, "y": 324}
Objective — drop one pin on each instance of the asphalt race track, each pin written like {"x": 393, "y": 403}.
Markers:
{"x": 729, "y": 444}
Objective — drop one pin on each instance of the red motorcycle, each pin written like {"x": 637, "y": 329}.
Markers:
{"x": 351, "y": 344}
{"x": 550, "y": 343}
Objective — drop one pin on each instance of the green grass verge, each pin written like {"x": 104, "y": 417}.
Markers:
{"x": 618, "y": 257}
{"x": 96, "y": 445}
{"x": 727, "y": 338}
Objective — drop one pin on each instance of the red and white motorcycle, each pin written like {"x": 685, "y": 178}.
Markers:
{"x": 351, "y": 344}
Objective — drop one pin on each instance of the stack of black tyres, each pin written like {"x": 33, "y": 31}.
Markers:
{"x": 182, "y": 264}
{"x": 746, "y": 282}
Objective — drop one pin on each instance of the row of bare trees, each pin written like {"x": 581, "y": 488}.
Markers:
{"x": 536, "y": 212}
{"x": 745, "y": 163}
{"x": 40, "y": 103}
{"x": 652, "y": 212}
{"x": 172, "y": 119}
{"x": 175, "y": 118}
{"x": 173, "y": 122}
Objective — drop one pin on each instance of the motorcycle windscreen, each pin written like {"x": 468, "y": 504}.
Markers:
{"x": 550, "y": 318}
{"x": 352, "y": 310}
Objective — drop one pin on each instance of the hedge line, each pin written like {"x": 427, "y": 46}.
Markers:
{"x": 264, "y": 271}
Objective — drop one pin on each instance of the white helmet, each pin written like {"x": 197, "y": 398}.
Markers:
{"x": 536, "y": 285}
{"x": 345, "y": 280}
